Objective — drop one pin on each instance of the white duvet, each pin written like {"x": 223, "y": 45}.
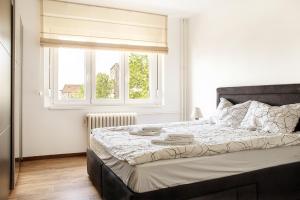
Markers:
{"x": 210, "y": 139}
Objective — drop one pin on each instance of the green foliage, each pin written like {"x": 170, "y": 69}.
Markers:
{"x": 81, "y": 92}
{"x": 104, "y": 86}
{"x": 79, "y": 95}
{"x": 139, "y": 76}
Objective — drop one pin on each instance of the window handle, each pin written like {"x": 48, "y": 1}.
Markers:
{"x": 157, "y": 93}
{"x": 50, "y": 94}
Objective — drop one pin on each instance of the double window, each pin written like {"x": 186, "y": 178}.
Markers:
{"x": 81, "y": 76}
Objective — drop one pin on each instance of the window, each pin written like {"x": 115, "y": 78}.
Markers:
{"x": 98, "y": 77}
{"x": 142, "y": 77}
{"x": 70, "y": 79}
{"x": 107, "y": 87}
{"x": 139, "y": 75}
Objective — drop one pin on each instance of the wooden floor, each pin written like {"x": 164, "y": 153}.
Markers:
{"x": 54, "y": 179}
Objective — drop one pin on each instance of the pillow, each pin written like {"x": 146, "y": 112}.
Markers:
{"x": 253, "y": 118}
{"x": 224, "y": 103}
{"x": 232, "y": 115}
{"x": 283, "y": 119}
{"x": 273, "y": 119}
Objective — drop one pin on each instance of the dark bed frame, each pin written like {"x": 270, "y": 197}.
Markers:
{"x": 274, "y": 183}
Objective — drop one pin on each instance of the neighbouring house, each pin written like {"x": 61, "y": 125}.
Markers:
{"x": 70, "y": 90}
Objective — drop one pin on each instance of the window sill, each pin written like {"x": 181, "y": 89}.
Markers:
{"x": 139, "y": 109}
{"x": 113, "y": 108}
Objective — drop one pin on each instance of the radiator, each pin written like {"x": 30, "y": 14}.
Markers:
{"x": 100, "y": 120}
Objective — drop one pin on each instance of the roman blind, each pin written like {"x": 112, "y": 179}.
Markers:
{"x": 78, "y": 25}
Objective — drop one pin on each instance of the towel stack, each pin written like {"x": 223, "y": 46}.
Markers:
{"x": 175, "y": 139}
{"x": 146, "y": 131}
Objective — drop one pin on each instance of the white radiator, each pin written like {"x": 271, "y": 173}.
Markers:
{"x": 100, "y": 120}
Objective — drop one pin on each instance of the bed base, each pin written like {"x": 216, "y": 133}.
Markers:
{"x": 274, "y": 183}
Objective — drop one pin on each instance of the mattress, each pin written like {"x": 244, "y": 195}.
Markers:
{"x": 160, "y": 174}
{"x": 209, "y": 139}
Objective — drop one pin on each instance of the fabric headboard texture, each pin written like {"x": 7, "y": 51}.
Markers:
{"x": 275, "y": 95}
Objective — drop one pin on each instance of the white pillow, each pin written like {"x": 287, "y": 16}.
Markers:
{"x": 231, "y": 115}
{"x": 273, "y": 119}
{"x": 224, "y": 103}
{"x": 253, "y": 118}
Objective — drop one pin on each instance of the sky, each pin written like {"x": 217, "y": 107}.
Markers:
{"x": 105, "y": 60}
{"x": 71, "y": 65}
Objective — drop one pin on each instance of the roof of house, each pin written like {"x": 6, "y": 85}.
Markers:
{"x": 71, "y": 88}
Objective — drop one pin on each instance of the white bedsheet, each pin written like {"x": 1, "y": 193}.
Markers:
{"x": 210, "y": 139}
{"x": 166, "y": 173}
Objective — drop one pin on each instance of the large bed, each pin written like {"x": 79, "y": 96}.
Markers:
{"x": 271, "y": 173}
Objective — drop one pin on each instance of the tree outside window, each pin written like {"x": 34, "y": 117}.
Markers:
{"x": 138, "y": 76}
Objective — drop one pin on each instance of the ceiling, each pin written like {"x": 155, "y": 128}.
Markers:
{"x": 176, "y": 8}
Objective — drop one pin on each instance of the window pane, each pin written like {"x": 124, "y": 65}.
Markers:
{"x": 107, "y": 75}
{"x": 139, "y": 73}
{"x": 71, "y": 74}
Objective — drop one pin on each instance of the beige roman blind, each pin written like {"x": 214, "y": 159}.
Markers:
{"x": 78, "y": 25}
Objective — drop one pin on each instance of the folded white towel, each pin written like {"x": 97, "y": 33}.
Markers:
{"x": 188, "y": 140}
{"x": 175, "y": 139}
{"x": 152, "y": 128}
{"x": 144, "y": 133}
{"x": 179, "y": 135}
{"x": 166, "y": 142}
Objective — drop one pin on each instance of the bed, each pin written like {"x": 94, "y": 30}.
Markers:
{"x": 274, "y": 174}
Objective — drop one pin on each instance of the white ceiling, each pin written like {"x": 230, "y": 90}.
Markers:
{"x": 178, "y": 8}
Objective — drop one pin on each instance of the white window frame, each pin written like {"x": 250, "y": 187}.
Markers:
{"x": 156, "y": 84}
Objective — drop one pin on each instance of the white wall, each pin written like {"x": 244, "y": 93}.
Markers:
{"x": 63, "y": 131}
{"x": 237, "y": 43}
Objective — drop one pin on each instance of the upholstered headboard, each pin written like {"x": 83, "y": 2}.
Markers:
{"x": 275, "y": 95}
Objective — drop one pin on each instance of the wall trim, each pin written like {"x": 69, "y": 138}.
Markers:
{"x": 184, "y": 76}
{"x": 67, "y": 155}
